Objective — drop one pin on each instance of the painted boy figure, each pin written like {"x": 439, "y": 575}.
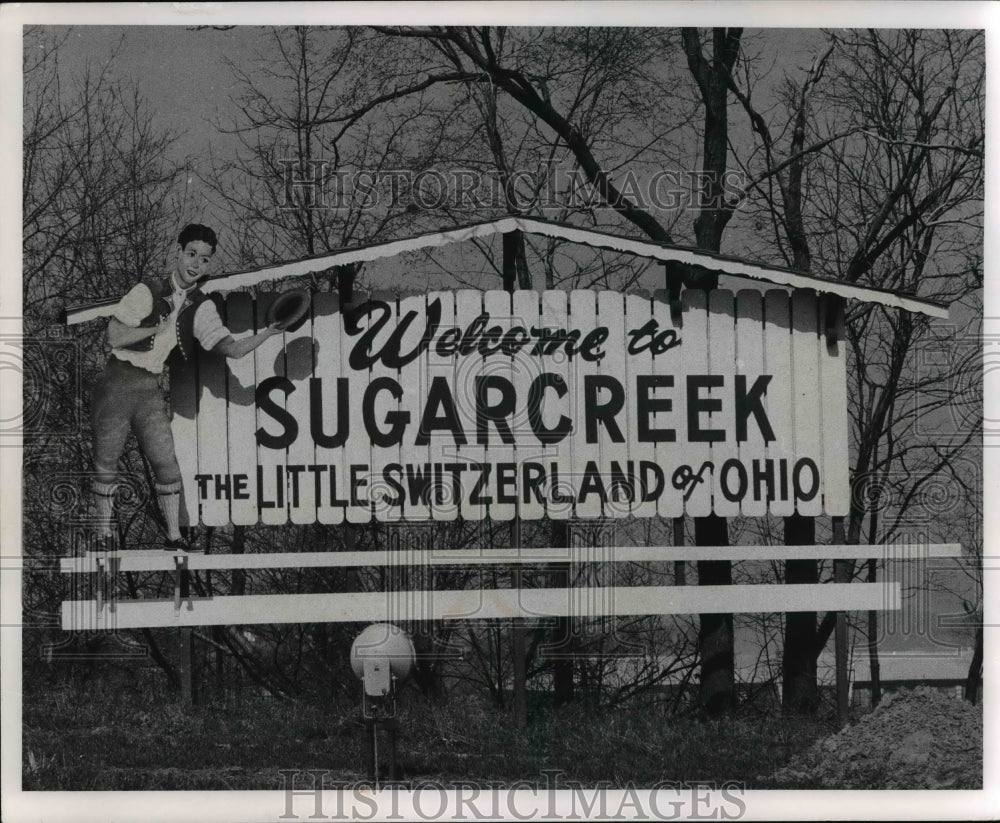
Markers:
{"x": 147, "y": 324}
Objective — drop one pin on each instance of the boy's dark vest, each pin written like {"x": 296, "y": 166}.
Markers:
{"x": 161, "y": 288}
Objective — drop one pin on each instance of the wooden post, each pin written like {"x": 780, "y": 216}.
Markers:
{"x": 716, "y": 643}
{"x": 239, "y": 581}
{"x": 680, "y": 569}
{"x": 841, "y": 574}
{"x": 370, "y": 749}
{"x": 715, "y": 637}
{"x": 874, "y": 669}
{"x": 510, "y": 243}
{"x": 185, "y": 656}
{"x": 102, "y": 580}
{"x": 800, "y": 689}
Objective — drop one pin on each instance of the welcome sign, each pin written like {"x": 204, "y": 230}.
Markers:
{"x": 561, "y": 404}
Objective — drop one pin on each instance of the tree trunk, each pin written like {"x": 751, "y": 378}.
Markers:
{"x": 717, "y": 693}
{"x": 800, "y": 691}
{"x": 712, "y": 76}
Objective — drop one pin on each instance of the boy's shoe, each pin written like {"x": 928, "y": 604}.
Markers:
{"x": 182, "y": 546}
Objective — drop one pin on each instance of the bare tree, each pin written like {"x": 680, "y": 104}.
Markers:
{"x": 96, "y": 187}
{"x": 325, "y": 152}
{"x": 784, "y": 205}
{"x": 713, "y": 76}
{"x": 872, "y": 172}
{"x": 537, "y": 72}
{"x": 96, "y": 183}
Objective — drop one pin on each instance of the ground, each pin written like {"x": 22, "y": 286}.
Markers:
{"x": 915, "y": 739}
{"x": 98, "y": 736}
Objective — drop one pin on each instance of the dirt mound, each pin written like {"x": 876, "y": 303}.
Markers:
{"x": 915, "y": 739}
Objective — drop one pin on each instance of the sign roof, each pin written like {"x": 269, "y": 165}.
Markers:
{"x": 732, "y": 266}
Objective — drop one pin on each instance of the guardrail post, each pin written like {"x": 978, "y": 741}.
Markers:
{"x": 101, "y": 580}
{"x": 185, "y": 655}
{"x": 182, "y": 580}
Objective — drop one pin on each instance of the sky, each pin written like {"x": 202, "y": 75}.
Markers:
{"x": 183, "y": 73}
{"x": 180, "y": 71}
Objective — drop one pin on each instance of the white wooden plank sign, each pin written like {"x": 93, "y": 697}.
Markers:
{"x": 545, "y": 404}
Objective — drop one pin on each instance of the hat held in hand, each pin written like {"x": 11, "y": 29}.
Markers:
{"x": 288, "y": 310}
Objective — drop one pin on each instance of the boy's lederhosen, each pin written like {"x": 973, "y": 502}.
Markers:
{"x": 128, "y": 397}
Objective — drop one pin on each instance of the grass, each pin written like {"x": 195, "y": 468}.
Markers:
{"x": 97, "y": 739}
{"x": 589, "y": 746}
{"x": 95, "y": 742}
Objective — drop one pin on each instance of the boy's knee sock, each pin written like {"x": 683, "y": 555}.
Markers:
{"x": 169, "y": 495}
{"x": 104, "y": 498}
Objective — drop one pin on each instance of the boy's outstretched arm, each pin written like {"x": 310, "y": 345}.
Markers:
{"x": 240, "y": 348}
